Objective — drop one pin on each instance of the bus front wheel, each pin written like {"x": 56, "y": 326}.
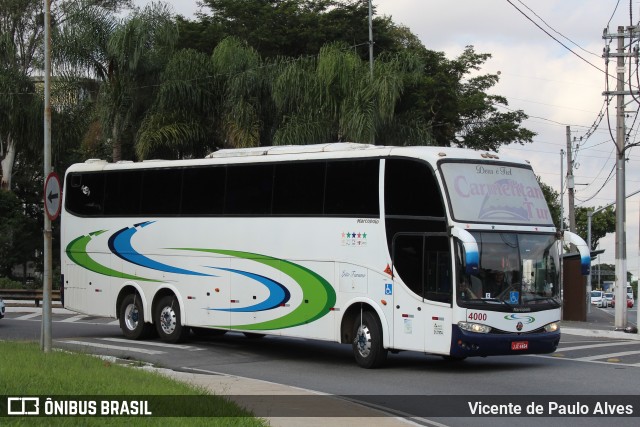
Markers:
{"x": 167, "y": 320}
{"x": 367, "y": 342}
{"x": 132, "y": 321}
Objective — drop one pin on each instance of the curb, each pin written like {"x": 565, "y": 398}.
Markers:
{"x": 599, "y": 333}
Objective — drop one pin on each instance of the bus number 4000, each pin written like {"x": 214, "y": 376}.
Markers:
{"x": 477, "y": 316}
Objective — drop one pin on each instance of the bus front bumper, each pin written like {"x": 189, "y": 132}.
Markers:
{"x": 469, "y": 344}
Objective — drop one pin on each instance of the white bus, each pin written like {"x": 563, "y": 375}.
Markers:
{"x": 444, "y": 251}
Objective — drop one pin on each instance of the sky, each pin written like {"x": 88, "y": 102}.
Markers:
{"x": 555, "y": 86}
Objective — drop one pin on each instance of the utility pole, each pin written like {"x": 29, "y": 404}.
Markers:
{"x": 570, "y": 184}
{"x": 561, "y": 232}
{"x": 45, "y": 344}
{"x": 621, "y": 240}
{"x": 561, "y": 192}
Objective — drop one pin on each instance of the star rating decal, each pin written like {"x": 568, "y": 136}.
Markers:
{"x": 354, "y": 238}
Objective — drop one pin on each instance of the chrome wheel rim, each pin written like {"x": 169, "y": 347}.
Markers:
{"x": 131, "y": 317}
{"x": 363, "y": 341}
{"x": 168, "y": 320}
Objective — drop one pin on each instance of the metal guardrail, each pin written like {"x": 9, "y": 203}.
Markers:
{"x": 34, "y": 295}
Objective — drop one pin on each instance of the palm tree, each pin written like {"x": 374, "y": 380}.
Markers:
{"x": 181, "y": 120}
{"x": 241, "y": 85}
{"x": 137, "y": 52}
{"x": 334, "y": 97}
{"x": 78, "y": 31}
{"x": 206, "y": 103}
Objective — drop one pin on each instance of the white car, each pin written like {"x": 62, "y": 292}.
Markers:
{"x": 597, "y": 299}
{"x": 1, "y": 309}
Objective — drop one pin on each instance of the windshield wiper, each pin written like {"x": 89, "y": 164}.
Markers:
{"x": 492, "y": 300}
{"x": 547, "y": 299}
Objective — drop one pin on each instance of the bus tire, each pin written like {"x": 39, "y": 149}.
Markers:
{"x": 132, "y": 321}
{"x": 367, "y": 342}
{"x": 167, "y": 320}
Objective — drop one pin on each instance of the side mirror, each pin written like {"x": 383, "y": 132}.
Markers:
{"x": 583, "y": 250}
{"x": 470, "y": 249}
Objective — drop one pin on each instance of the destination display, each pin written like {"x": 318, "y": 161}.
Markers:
{"x": 492, "y": 193}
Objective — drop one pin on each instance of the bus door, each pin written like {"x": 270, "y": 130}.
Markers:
{"x": 423, "y": 289}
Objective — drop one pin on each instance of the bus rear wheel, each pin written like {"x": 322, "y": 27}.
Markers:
{"x": 131, "y": 317}
{"x": 367, "y": 342}
{"x": 167, "y": 320}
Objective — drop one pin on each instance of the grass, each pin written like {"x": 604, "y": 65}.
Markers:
{"x": 26, "y": 371}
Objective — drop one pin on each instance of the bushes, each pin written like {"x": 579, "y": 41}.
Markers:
{"x": 6, "y": 283}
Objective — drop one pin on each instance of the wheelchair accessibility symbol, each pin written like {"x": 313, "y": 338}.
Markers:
{"x": 388, "y": 288}
{"x": 513, "y": 297}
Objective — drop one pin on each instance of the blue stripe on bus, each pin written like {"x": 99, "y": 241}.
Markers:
{"x": 120, "y": 245}
{"x": 278, "y": 294}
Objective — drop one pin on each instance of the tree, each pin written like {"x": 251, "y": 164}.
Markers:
{"x": 334, "y": 97}
{"x": 438, "y": 104}
{"x": 602, "y": 223}
{"x": 74, "y": 31}
{"x": 458, "y": 109}
{"x": 137, "y": 52}
{"x": 181, "y": 121}
{"x": 241, "y": 87}
{"x": 289, "y": 27}
{"x": 19, "y": 231}
{"x": 204, "y": 103}
{"x": 605, "y": 272}
{"x": 19, "y": 108}
{"x": 20, "y": 38}
{"x": 553, "y": 201}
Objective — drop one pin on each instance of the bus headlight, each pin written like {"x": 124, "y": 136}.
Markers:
{"x": 551, "y": 327}
{"x": 474, "y": 327}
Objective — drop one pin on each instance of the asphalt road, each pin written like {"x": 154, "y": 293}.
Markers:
{"x": 598, "y": 367}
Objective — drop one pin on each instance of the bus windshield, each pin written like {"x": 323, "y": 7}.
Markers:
{"x": 515, "y": 269}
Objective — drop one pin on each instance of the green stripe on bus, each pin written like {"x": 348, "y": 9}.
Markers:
{"x": 318, "y": 296}
{"x": 77, "y": 252}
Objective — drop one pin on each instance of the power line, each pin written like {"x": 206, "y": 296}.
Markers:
{"x": 557, "y": 32}
{"x": 554, "y": 38}
{"x": 602, "y": 187}
{"x": 614, "y": 12}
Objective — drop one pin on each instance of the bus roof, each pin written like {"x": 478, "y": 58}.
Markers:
{"x": 303, "y": 152}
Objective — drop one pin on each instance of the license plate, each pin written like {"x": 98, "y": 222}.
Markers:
{"x": 519, "y": 345}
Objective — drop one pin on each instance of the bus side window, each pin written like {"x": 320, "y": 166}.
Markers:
{"x": 123, "y": 190}
{"x": 203, "y": 190}
{"x": 249, "y": 189}
{"x": 299, "y": 188}
{"x": 352, "y": 188}
{"x": 161, "y": 192}
{"x": 85, "y": 193}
